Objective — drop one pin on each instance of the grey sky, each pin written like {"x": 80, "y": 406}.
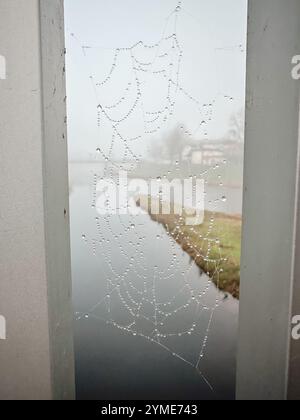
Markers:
{"x": 212, "y": 36}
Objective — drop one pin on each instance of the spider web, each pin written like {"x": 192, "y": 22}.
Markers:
{"x": 146, "y": 296}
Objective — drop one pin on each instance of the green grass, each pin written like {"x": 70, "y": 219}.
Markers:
{"x": 215, "y": 245}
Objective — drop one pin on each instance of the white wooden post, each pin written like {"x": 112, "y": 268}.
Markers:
{"x": 268, "y": 366}
{"x": 36, "y": 353}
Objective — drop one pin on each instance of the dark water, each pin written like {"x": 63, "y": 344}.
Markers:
{"x": 112, "y": 363}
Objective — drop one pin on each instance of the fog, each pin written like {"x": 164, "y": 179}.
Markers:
{"x": 191, "y": 85}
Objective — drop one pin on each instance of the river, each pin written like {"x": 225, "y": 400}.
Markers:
{"x": 112, "y": 363}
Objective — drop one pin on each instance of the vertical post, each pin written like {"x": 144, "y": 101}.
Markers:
{"x": 269, "y": 278}
{"x": 36, "y": 351}
{"x": 293, "y": 392}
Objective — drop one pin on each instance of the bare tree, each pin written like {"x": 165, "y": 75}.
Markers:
{"x": 175, "y": 144}
{"x": 170, "y": 147}
{"x": 237, "y": 126}
{"x": 156, "y": 150}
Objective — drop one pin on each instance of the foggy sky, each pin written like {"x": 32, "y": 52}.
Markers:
{"x": 212, "y": 34}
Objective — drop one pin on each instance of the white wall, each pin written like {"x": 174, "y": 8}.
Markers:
{"x": 36, "y": 358}
{"x": 268, "y": 279}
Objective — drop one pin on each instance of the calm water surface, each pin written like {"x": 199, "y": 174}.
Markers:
{"x": 112, "y": 364}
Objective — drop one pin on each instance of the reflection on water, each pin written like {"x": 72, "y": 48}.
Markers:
{"x": 139, "y": 331}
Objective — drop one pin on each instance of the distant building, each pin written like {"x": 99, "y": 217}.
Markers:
{"x": 212, "y": 152}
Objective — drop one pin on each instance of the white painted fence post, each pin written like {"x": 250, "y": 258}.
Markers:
{"x": 268, "y": 366}
{"x": 36, "y": 358}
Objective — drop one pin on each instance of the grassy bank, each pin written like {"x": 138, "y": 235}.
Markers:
{"x": 215, "y": 245}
